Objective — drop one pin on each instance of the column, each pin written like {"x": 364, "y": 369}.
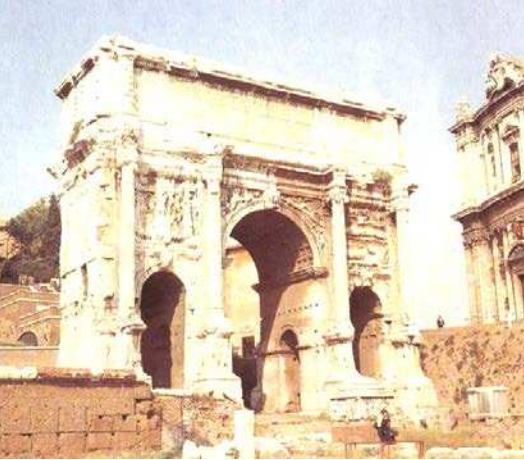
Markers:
{"x": 520, "y": 114}
{"x": 509, "y": 278}
{"x": 342, "y": 373}
{"x": 471, "y": 274}
{"x": 338, "y": 198}
{"x": 487, "y": 284}
{"x": 131, "y": 325}
{"x": 214, "y": 339}
{"x": 403, "y": 255}
{"x": 505, "y": 161}
{"x": 500, "y": 289}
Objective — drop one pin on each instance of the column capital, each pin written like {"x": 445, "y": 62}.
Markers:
{"x": 338, "y": 195}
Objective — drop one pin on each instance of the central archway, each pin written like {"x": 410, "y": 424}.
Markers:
{"x": 162, "y": 344}
{"x": 276, "y": 282}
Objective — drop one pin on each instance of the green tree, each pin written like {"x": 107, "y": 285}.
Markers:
{"x": 38, "y": 230}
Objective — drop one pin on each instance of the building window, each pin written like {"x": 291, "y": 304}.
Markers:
{"x": 491, "y": 159}
{"x": 515, "y": 162}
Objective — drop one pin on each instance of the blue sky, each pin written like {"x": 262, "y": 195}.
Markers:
{"x": 422, "y": 56}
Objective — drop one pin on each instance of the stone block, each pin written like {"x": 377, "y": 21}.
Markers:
{"x": 441, "y": 452}
{"x": 121, "y": 406}
{"x": 15, "y": 419}
{"x": 511, "y": 453}
{"x": 244, "y": 433}
{"x": 150, "y": 440}
{"x": 44, "y": 419}
{"x": 142, "y": 392}
{"x": 142, "y": 422}
{"x": 125, "y": 423}
{"x": 45, "y": 443}
{"x": 100, "y": 423}
{"x": 99, "y": 441}
{"x": 144, "y": 407}
{"x": 126, "y": 441}
{"x": 476, "y": 452}
{"x": 72, "y": 419}
{"x": 16, "y": 443}
{"x": 71, "y": 443}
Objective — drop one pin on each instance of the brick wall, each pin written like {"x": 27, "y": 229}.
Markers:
{"x": 57, "y": 412}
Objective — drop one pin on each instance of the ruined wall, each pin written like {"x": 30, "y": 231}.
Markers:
{"x": 201, "y": 419}
{"x": 21, "y": 356}
{"x": 490, "y": 355}
{"x": 59, "y": 413}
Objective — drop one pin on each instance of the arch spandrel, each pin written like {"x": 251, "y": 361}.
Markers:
{"x": 239, "y": 202}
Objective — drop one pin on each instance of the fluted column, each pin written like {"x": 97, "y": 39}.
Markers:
{"x": 338, "y": 198}
{"x": 343, "y": 376}
{"x": 509, "y": 279}
{"x": 471, "y": 274}
{"x": 487, "y": 282}
{"x": 500, "y": 287}
{"x": 521, "y": 141}
{"x": 131, "y": 325}
{"x": 213, "y": 237}
{"x": 214, "y": 350}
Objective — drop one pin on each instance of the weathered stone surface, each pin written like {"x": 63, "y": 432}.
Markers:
{"x": 270, "y": 448}
{"x": 294, "y": 176}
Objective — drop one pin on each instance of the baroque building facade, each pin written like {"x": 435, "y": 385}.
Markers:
{"x": 166, "y": 160}
{"x": 490, "y": 150}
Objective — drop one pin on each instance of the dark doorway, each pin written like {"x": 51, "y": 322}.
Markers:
{"x": 162, "y": 346}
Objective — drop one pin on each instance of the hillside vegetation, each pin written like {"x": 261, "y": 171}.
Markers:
{"x": 37, "y": 229}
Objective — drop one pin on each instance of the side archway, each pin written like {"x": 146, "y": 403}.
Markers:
{"x": 367, "y": 321}
{"x": 291, "y": 371}
{"x": 162, "y": 308}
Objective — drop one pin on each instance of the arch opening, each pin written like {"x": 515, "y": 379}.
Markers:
{"x": 367, "y": 320}
{"x": 28, "y": 339}
{"x": 162, "y": 345}
{"x": 290, "y": 370}
{"x": 267, "y": 284}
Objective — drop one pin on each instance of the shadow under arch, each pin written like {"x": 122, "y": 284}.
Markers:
{"x": 162, "y": 308}
{"x": 366, "y": 317}
{"x": 284, "y": 262}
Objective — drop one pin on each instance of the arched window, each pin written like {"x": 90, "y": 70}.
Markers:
{"x": 28, "y": 339}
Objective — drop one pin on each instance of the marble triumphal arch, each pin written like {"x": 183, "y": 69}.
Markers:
{"x": 226, "y": 234}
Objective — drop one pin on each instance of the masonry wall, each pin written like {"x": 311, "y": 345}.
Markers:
{"x": 488, "y": 355}
{"x": 60, "y": 413}
{"x": 21, "y": 356}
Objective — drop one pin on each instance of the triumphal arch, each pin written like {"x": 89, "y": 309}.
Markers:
{"x": 174, "y": 172}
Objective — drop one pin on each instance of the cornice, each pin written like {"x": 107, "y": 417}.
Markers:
{"x": 164, "y": 60}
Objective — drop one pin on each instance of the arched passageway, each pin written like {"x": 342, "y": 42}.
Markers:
{"x": 263, "y": 295}
{"x": 367, "y": 321}
{"x": 162, "y": 345}
{"x": 290, "y": 368}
